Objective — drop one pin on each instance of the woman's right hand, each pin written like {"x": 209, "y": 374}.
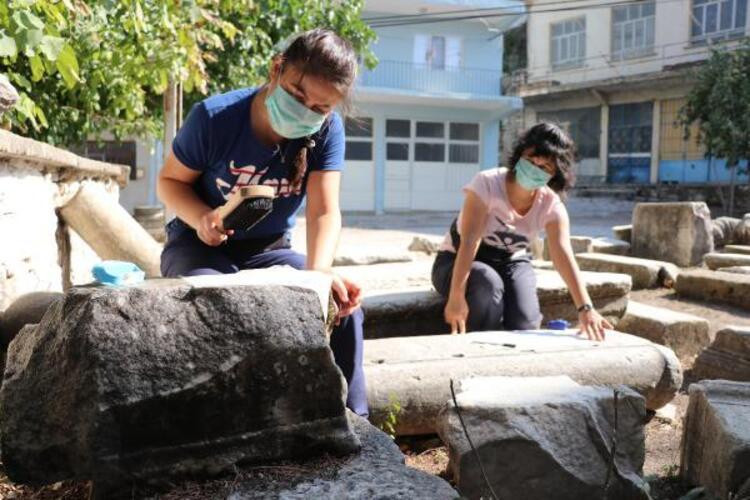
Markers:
{"x": 210, "y": 229}
{"x": 455, "y": 313}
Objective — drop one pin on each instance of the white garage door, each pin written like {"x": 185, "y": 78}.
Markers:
{"x": 428, "y": 162}
{"x": 358, "y": 177}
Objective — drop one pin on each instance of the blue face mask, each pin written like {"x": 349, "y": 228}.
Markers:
{"x": 289, "y": 118}
{"x": 529, "y": 176}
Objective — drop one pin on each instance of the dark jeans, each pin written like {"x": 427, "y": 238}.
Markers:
{"x": 500, "y": 296}
{"x": 186, "y": 255}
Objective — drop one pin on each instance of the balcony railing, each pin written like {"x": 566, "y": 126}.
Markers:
{"x": 426, "y": 78}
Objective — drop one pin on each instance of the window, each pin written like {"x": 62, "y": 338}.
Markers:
{"x": 630, "y": 128}
{"x": 398, "y": 136}
{"x": 464, "y": 143}
{"x": 583, "y": 125}
{"x": 121, "y": 153}
{"x": 633, "y": 30}
{"x": 437, "y": 52}
{"x": 568, "y": 43}
{"x": 358, "y": 139}
{"x": 716, "y": 20}
{"x": 398, "y": 128}
{"x": 430, "y": 145}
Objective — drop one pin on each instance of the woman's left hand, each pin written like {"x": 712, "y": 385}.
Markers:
{"x": 348, "y": 295}
{"x": 593, "y": 324}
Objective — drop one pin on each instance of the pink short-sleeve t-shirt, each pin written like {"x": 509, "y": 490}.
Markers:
{"x": 506, "y": 231}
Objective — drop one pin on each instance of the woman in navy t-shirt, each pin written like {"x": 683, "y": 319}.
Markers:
{"x": 284, "y": 134}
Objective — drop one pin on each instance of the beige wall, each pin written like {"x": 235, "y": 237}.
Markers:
{"x": 671, "y": 45}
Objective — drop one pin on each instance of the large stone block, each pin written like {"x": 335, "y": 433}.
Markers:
{"x": 172, "y": 378}
{"x": 728, "y": 356}
{"x": 415, "y": 372}
{"x": 378, "y": 471}
{"x": 681, "y": 232}
{"x": 418, "y": 310}
{"x": 546, "y": 437}
{"x": 646, "y": 273}
{"x": 26, "y": 309}
{"x": 623, "y": 232}
{"x": 719, "y": 260}
{"x": 716, "y": 438}
{"x": 715, "y": 286}
{"x": 685, "y": 334}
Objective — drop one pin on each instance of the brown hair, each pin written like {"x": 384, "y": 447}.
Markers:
{"x": 548, "y": 140}
{"x": 324, "y": 54}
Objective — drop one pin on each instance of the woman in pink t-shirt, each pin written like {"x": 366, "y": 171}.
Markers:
{"x": 484, "y": 268}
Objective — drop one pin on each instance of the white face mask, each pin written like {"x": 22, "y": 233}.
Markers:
{"x": 289, "y": 118}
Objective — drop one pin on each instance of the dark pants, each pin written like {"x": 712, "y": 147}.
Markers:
{"x": 186, "y": 255}
{"x": 500, "y": 297}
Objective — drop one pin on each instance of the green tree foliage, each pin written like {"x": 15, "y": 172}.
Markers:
{"x": 87, "y": 67}
{"x": 720, "y": 103}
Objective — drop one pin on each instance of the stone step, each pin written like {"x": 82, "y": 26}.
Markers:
{"x": 685, "y": 334}
{"x": 742, "y": 249}
{"x": 645, "y": 273}
{"x": 415, "y": 372}
{"x": 736, "y": 269}
{"x": 715, "y": 286}
{"x": 728, "y": 356}
{"x": 544, "y": 423}
{"x": 719, "y": 260}
{"x": 716, "y": 438}
{"x": 399, "y": 299}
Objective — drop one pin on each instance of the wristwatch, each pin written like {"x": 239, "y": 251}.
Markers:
{"x": 585, "y": 307}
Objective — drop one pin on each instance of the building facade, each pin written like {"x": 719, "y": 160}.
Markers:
{"x": 427, "y": 117}
{"x": 616, "y": 76}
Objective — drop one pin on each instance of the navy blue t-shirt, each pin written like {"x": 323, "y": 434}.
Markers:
{"x": 217, "y": 140}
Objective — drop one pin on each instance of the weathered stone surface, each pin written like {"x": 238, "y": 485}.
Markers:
{"x": 716, "y": 438}
{"x": 579, "y": 244}
{"x": 728, "y": 356}
{"x": 367, "y": 259}
{"x": 722, "y": 229}
{"x": 610, "y": 246}
{"x": 425, "y": 244}
{"x": 741, "y": 249}
{"x": 741, "y": 233}
{"x": 685, "y": 334}
{"x": 718, "y": 260}
{"x": 415, "y": 372}
{"x": 645, "y": 273}
{"x": 715, "y": 286}
{"x": 545, "y": 437}
{"x": 170, "y": 378}
{"x": 623, "y": 232}
{"x": 26, "y": 309}
{"x": 680, "y": 232}
{"x": 8, "y": 95}
{"x": 30, "y": 263}
{"x": 418, "y": 310}
{"x": 377, "y": 471}
{"x": 736, "y": 269}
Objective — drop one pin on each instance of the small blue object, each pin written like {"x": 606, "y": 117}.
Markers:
{"x": 558, "y": 324}
{"x": 117, "y": 273}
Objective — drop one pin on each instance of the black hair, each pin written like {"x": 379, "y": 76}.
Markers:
{"x": 550, "y": 141}
{"x": 324, "y": 54}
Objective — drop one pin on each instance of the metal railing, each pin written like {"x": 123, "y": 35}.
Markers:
{"x": 428, "y": 78}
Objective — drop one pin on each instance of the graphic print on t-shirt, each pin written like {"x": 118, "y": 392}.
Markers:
{"x": 250, "y": 175}
{"x": 505, "y": 237}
